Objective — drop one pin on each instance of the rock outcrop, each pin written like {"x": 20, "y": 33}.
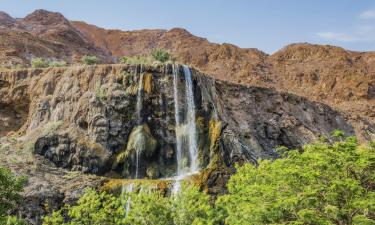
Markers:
{"x": 84, "y": 120}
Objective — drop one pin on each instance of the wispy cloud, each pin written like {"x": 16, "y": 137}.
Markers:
{"x": 368, "y": 14}
{"x": 336, "y": 36}
{"x": 360, "y": 32}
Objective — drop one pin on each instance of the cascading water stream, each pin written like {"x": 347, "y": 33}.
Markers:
{"x": 139, "y": 104}
{"x": 127, "y": 189}
{"x": 185, "y": 131}
{"x": 191, "y": 123}
{"x": 177, "y": 121}
{"x": 139, "y": 119}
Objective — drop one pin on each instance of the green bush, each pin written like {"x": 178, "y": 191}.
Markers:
{"x": 136, "y": 60}
{"x": 39, "y": 63}
{"x": 190, "y": 207}
{"x": 91, "y": 208}
{"x": 58, "y": 63}
{"x": 89, "y": 59}
{"x": 326, "y": 184}
{"x": 156, "y": 58}
{"x": 10, "y": 189}
{"x": 161, "y": 55}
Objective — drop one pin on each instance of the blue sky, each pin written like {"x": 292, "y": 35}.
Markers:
{"x": 264, "y": 24}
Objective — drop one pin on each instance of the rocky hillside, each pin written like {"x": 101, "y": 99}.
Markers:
{"x": 343, "y": 79}
{"x": 60, "y": 124}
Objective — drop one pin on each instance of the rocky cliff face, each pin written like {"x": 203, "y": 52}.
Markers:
{"x": 337, "y": 77}
{"x": 92, "y": 119}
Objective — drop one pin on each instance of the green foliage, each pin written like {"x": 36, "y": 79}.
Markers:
{"x": 39, "y": 63}
{"x": 136, "y": 60}
{"x": 157, "y": 57}
{"x": 12, "y": 220}
{"x": 43, "y": 63}
{"x": 189, "y": 207}
{"x": 148, "y": 208}
{"x": 338, "y": 134}
{"x": 89, "y": 59}
{"x": 10, "y": 189}
{"x": 326, "y": 184}
{"x": 161, "y": 55}
{"x": 92, "y": 209}
{"x": 58, "y": 63}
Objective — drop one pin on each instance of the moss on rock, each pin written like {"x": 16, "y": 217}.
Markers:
{"x": 147, "y": 83}
{"x": 115, "y": 186}
{"x": 141, "y": 140}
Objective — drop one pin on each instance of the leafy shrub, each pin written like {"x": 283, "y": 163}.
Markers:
{"x": 58, "y": 63}
{"x": 10, "y": 189}
{"x": 161, "y": 55}
{"x": 136, "y": 60}
{"x": 145, "y": 208}
{"x": 13, "y": 220}
{"x": 91, "y": 208}
{"x": 157, "y": 57}
{"x": 326, "y": 184}
{"x": 39, "y": 63}
{"x": 89, "y": 59}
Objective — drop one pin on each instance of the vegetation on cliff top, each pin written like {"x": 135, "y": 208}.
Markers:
{"x": 156, "y": 56}
{"x": 326, "y": 183}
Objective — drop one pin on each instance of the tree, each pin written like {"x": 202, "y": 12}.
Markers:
{"x": 191, "y": 206}
{"x": 92, "y": 208}
{"x": 148, "y": 208}
{"x": 325, "y": 184}
{"x": 10, "y": 189}
{"x": 161, "y": 55}
{"x": 89, "y": 59}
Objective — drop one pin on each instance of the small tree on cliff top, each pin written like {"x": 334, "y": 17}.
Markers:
{"x": 89, "y": 59}
{"x": 161, "y": 55}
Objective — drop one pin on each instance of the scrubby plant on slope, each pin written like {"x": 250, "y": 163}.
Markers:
{"x": 89, "y": 60}
{"x": 44, "y": 63}
{"x": 39, "y": 63}
{"x": 156, "y": 57}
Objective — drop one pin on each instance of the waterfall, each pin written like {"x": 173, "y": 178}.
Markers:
{"x": 139, "y": 98}
{"x": 178, "y": 121}
{"x": 127, "y": 189}
{"x": 191, "y": 122}
{"x": 186, "y": 135}
{"x": 138, "y": 109}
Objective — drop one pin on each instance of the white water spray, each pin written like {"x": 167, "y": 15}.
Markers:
{"x": 139, "y": 119}
{"x": 127, "y": 189}
{"x": 191, "y": 123}
{"x": 185, "y": 132}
